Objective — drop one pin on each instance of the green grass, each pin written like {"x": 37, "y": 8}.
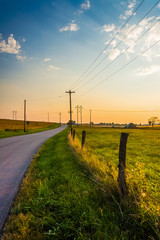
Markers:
{"x": 59, "y": 200}
{"x": 143, "y": 168}
{"x": 9, "y": 128}
{"x": 63, "y": 197}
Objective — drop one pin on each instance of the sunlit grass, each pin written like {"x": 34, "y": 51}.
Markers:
{"x": 100, "y": 155}
{"x": 59, "y": 199}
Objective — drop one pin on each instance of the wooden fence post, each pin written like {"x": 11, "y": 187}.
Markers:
{"x": 122, "y": 164}
{"x": 74, "y": 132}
{"x": 83, "y": 138}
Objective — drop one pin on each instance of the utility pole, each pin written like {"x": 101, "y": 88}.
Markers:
{"x": 60, "y": 117}
{"x": 48, "y": 117}
{"x": 70, "y": 101}
{"x": 81, "y": 113}
{"x": 77, "y": 112}
{"x": 24, "y": 115}
{"x": 90, "y": 117}
{"x": 15, "y": 115}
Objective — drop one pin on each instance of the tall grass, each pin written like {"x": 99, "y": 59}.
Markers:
{"x": 141, "y": 208}
{"x": 59, "y": 200}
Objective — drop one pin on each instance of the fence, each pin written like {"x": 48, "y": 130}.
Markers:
{"x": 122, "y": 159}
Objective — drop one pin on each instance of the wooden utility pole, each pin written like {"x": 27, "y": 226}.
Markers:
{"x": 90, "y": 118}
{"x": 60, "y": 117}
{"x": 13, "y": 114}
{"x": 81, "y": 113}
{"x": 24, "y": 115}
{"x": 77, "y": 112}
{"x": 48, "y": 117}
{"x": 70, "y": 101}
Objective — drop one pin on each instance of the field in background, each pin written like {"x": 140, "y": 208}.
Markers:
{"x": 10, "y": 128}
{"x": 101, "y": 154}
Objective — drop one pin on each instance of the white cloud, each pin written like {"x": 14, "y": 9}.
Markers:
{"x": 47, "y": 60}
{"x": 150, "y": 70}
{"x": 86, "y": 5}
{"x": 122, "y": 17}
{"x": 134, "y": 37}
{"x": 12, "y": 46}
{"x": 23, "y": 40}
{"x": 73, "y": 27}
{"x": 52, "y": 67}
{"x": 153, "y": 35}
{"x": 132, "y": 4}
{"x": 114, "y": 53}
{"x": 21, "y": 58}
{"x": 123, "y": 3}
{"x": 83, "y": 7}
{"x": 108, "y": 28}
{"x": 129, "y": 11}
{"x": 145, "y": 22}
{"x": 113, "y": 43}
{"x": 159, "y": 5}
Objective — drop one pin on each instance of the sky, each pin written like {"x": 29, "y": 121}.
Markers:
{"x": 107, "y": 51}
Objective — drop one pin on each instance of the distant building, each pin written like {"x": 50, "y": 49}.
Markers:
{"x": 130, "y": 125}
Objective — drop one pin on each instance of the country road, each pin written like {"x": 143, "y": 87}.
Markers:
{"x": 16, "y": 154}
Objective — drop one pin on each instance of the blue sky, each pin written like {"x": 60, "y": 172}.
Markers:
{"x": 45, "y": 46}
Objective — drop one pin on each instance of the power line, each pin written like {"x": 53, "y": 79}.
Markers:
{"x": 48, "y": 98}
{"x": 108, "y": 44}
{"x": 124, "y": 110}
{"x": 119, "y": 42}
{"x": 122, "y": 67}
{"x": 118, "y": 56}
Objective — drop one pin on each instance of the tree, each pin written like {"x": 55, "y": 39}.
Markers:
{"x": 153, "y": 120}
{"x": 69, "y": 122}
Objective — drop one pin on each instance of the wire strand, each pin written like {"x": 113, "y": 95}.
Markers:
{"x": 120, "y": 41}
{"x": 107, "y": 45}
{"x": 121, "y": 68}
{"x": 119, "y": 55}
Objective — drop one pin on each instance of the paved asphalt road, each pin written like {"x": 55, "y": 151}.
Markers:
{"x": 16, "y": 154}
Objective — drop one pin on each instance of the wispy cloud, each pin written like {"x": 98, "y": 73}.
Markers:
{"x": 131, "y": 33}
{"x": 52, "y": 67}
{"x": 23, "y": 40}
{"x": 83, "y": 7}
{"x": 114, "y": 53}
{"x": 47, "y": 60}
{"x": 11, "y": 46}
{"x": 21, "y": 58}
{"x": 86, "y": 5}
{"x": 129, "y": 11}
{"x": 108, "y": 28}
{"x": 73, "y": 27}
{"x": 148, "y": 71}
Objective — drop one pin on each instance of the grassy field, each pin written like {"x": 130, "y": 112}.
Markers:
{"x": 100, "y": 155}
{"x": 72, "y": 194}
{"x": 10, "y": 128}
